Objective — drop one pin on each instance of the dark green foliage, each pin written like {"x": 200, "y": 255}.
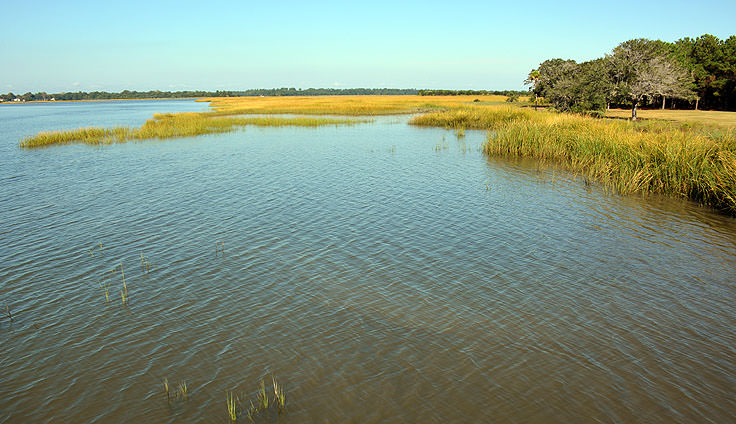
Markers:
{"x": 470, "y": 92}
{"x": 687, "y": 73}
{"x": 712, "y": 63}
{"x": 572, "y": 87}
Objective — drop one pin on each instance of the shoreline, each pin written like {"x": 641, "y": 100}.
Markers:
{"x": 108, "y": 100}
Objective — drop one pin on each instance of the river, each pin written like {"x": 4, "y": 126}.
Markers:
{"x": 380, "y": 272}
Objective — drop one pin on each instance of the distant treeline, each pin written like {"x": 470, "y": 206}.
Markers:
{"x": 156, "y": 94}
{"x": 471, "y": 93}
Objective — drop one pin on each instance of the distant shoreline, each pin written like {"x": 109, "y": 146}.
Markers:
{"x": 100, "y": 100}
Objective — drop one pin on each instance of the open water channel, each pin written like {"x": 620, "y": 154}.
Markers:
{"x": 381, "y": 272}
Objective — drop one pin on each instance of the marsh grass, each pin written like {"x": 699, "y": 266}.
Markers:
{"x": 262, "y": 396}
{"x": 124, "y": 290}
{"x": 342, "y": 105}
{"x": 476, "y": 118}
{"x": 279, "y": 396}
{"x": 107, "y": 291}
{"x": 680, "y": 160}
{"x": 232, "y": 406}
{"x": 264, "y": 403}
{"x": 145, "y": 265}
{"x": 183, "y": 392}
{"x": 173, "y": 125}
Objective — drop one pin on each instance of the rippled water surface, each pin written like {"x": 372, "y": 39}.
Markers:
{"x": 383, "y": 273}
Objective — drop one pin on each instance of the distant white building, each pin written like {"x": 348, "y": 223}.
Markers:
{"x": 16, "y": 99}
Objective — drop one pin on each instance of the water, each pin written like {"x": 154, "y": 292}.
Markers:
{"x": 382, "y": 273}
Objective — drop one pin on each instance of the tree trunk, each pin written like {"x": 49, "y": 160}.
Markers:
{"x": 696, "y": 103}
{"x": 633, "y": 112}
{"x": 663, "y": 100}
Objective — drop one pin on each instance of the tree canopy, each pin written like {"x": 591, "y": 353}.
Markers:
{"x": 688, "y": 72}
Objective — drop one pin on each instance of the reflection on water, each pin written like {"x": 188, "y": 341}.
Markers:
{"x": 379, "y": 278}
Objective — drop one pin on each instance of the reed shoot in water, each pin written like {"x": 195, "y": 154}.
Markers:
{"x": 262, "y": 396}
{"x": 279, "y": 396}
{"x": 7, "y": 310}
{"x": 107, "y": 291}
{"x": 125, "y": 286}
{"x": 232, "y": 407}
{"x": 166, "y": 390}
{"x": 183, "y": 392}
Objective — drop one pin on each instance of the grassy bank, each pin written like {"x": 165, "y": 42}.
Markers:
{"x": 649, "y": 157}
{"x": 704, "y": 117}
{"x": 169, "y": 125}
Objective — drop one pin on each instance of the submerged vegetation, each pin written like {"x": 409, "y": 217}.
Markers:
{"x": 680, "y": 160}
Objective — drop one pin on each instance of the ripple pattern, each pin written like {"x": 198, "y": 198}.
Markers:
{"x": 380, "y": 279}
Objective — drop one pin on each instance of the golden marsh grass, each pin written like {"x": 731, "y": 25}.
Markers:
{"x": 172, "y": 125}
{"x": 342, "y": 105}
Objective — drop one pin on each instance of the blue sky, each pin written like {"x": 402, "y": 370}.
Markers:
{"x": 211, "y": 45}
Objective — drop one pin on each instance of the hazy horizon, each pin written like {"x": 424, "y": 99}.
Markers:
{"x": 218, "y": 45}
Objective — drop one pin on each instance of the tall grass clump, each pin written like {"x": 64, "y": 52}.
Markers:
{"x": 263, "y": 407}
{"x": 477, "y": 118}
{"x": 694, "y": 163}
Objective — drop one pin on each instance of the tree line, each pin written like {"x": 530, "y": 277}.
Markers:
{"x": 689, "y": 73}
{"x": 156, "y": 94}
{"x": 508, "y": 93}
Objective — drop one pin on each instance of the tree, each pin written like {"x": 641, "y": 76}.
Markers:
{"x": 671, "y": 80}
{"x": 640, "y": 69}
{"x": 548, "y": 74}
{"x": 572, "y": 87}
